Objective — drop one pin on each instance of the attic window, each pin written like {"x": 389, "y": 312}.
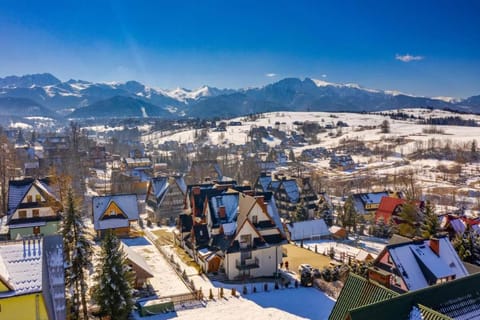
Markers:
{"x": 29, "y": 198}
{"x": 38, "y": 198}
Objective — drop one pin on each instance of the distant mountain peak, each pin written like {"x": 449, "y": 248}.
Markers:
{"x": 29, "y": 80}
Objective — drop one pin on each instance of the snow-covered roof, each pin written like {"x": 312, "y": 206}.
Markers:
{"x": 291, "y": 188}
{"x": 227, "y": 200}
{"x": 181, "y": 184}
{"x": 160, "y": 185}
{"x": 308, "y": 229}
{"x": 264, "y": 182}
{"x": 273, "y": 213}
{"x": 126, "y": 202}
{"x": 54, "y": 277}
{"x": 136, "y": 259}
{"x": 229, "y": 228}
{"x": 17, "y": 189}
{"x": 21, "y": 266}
{"x": 418, "y": 264}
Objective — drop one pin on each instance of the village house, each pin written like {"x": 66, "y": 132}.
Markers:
{"x": 234, "y": 230}
{"x": 32, "y": 284}
{"x": 33, "y": 208}
{"x": 342, "y": 162}
{"x": 206, "y": 169}
{"x": 368, "y": 203}
{"x": 388, "y": 208}
{"x": 165, "y": 199}
{"x": 114, "y": 212}
{"x": 406, "y": 264}
{"x": 256, "y": 249}
{"x": 456, "y": 225}
{"x": 362, "y": 298}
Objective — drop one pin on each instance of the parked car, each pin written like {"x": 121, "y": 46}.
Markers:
{"x": 304, "y": 267}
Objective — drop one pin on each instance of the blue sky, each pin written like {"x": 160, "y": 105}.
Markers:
{"x": 426, "y": 48}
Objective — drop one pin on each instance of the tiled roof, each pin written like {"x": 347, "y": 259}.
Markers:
{"x": 386, "y": 208}
{"x": 358, "y": 292}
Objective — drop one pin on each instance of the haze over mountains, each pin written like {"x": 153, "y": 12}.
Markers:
{"x": 45, "y": 95}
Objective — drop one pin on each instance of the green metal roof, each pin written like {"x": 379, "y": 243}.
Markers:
{"x": 449, "y": 300}
{"x": 358, "y": 292}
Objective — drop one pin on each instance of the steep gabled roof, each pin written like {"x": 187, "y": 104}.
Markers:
{"x": 291, "y": 189}
{"x": 419, "y": 266}
{"x": 18, "y": 189}
{"x": 387, "y": 207}
{"x": 127, "y": 203}
{"x": 358, "y": 292}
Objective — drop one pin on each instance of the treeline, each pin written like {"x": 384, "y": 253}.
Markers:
{"x": 450, "y": 121}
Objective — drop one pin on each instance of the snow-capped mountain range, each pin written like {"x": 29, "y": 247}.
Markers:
{"x": 39, "y": 94}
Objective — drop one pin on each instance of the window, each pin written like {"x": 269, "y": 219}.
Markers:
{"x": 36, "y": 213}
{"x": 254, "y": 219}
{"x": 29, "y": 198}
{"x": 22, "y": 214}
{"x": 36, "y": 230}
{"x": 247, "y": 239}
{"x": 38, "y": 198}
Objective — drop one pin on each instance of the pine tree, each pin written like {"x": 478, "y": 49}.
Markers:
{"x": 113, "y": 290}
{"x": 410, "y": 217}
{"x": 77, "y": 252}
{"x": 348, "y": 215}
{"x": 430, "y": 225}
{"x": 467, "y": 246}
{"x": 301, "y": 213}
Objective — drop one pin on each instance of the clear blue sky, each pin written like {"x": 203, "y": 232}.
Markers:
{"x": 426, "y": 47}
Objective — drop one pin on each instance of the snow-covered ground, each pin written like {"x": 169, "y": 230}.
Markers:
{"x": 285, "y": 303}
{"x": 293, "y": 303}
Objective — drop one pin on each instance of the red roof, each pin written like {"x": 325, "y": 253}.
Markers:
{"x": 386, "y": 208}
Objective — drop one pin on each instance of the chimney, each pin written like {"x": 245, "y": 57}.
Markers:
{"x": 221, "y": 212}
{"x": 435, "y": 245}
{"x": 380, "y": 276}
{"x": 196, "y": 191}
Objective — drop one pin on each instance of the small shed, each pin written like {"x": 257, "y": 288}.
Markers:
{"x": 156, "y": 306}
{"x": 338, "y": 233}
{"x": 139, "y": 267}
{"x": 208, "y": 260}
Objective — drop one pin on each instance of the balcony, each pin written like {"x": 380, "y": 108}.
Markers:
{"x": 247, "y": 264}
{"x": 244, "y": 246}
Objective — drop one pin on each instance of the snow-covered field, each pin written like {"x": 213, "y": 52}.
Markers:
{"x": 285, "y": 303}
{"x": 300, "y": 303}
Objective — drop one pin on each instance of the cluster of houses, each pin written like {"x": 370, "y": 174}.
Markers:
{"x": 412, "y": 279}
